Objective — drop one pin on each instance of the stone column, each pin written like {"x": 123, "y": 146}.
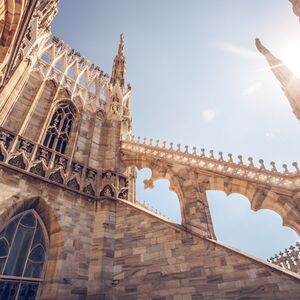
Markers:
{"x": 102, "y": 253}
{"x": 195, "y": 210}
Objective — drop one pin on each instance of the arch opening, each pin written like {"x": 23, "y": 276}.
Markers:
{"x": 257, "y": 232}
{"x": 159, "y": 198}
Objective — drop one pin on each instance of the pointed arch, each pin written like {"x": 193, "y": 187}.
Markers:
{"x": 62, "y": 127}
{"x": 108, "y": 191}
{"x": 260, "y": 197}
{"x": 24, "y": 246}
{"x": 159, "y": 170}
{"x": 47, "y": 216}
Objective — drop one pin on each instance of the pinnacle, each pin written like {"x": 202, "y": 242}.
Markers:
{"x": 260, "y": 47}
{"x": 121, "y": 44}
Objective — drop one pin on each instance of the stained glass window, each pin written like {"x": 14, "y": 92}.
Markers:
{"x": 23, "y": 247}
{"x": 60, "y": 128}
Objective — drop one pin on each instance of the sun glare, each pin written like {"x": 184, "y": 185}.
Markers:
{"x": 291, "y": 57}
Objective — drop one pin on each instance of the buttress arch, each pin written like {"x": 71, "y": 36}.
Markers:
{"x": 158, "y": 171}
{"x": 260, "y": 197}
{"x": 190, "y": 184}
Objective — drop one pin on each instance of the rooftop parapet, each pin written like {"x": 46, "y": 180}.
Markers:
{"x": 217, "y": 163}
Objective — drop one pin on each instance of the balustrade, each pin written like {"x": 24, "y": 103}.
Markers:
{"x": 260, "y": 174}
{"x": 49, "y": 165}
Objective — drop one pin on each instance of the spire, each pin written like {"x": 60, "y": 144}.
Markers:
{"x": 119, "y": 66}
{"x": 296, "y": 7}
{"x": 290, "y": 83}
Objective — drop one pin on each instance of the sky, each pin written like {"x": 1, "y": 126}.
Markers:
{"x": 197, "y": 79}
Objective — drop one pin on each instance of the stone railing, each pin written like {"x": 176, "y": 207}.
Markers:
{"x": 220, "y": 165}
{"x": 289, "y": 260}
{"x": 147, "y": 206}
{"x": 46, "y": 164}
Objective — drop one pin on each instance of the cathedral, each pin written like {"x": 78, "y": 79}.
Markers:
{"x": 70, "y": 224}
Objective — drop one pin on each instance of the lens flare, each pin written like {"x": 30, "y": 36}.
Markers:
{"x": 291, "y": 57}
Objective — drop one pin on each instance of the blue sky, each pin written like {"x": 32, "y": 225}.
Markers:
{"x": 197, "y": 79}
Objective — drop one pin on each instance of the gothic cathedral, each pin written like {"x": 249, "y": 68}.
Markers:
{"x": 70, "y": 225}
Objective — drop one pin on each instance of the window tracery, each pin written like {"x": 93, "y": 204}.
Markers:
{"x": 60, "y": 128}
{"x": 23, "y": 248}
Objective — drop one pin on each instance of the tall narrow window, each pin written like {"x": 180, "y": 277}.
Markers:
{"x": 23, "y": 249}
{"x": 60, "y": 128}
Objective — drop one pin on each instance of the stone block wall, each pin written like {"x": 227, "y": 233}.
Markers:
{"x": 69, "y": 220}
{"x": 111, "y": 249}
{"x": 156, "y": 260}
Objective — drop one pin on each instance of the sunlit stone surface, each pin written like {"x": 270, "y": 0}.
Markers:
{"x": 68, "y": 164}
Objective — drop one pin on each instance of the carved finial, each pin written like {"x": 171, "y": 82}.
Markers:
{"x": 285, "y": 169}
{"x": 178, "y": 148}
{"x": 202, "y": 152}
{"x": 295, "y": 165}
{"x": 186, "y": 151}
{"x": 148, "y": 184}
{"x": 230, "y": 160}
{"x": 221, "y": 156}
{"x": 211, "y": 156}
{"x": 262, "y": 166}
{"x": 145, "y": 141}
{"x": 171, "y": 146}
{"x": 194, "y": 151}
{"x": 274, "y": 169}
{"x": 139, "y": 139}
{"x": 150, "y": 142}
{"x": 251, "y": 164}
{"x": 240, "y": 157}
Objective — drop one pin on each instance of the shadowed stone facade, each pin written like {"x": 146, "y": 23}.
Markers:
{"x": 67, "y": 153}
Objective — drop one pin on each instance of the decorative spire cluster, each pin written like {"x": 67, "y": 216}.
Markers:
{"x": 289, "y": 259}
{"x": 119, "y": 67}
